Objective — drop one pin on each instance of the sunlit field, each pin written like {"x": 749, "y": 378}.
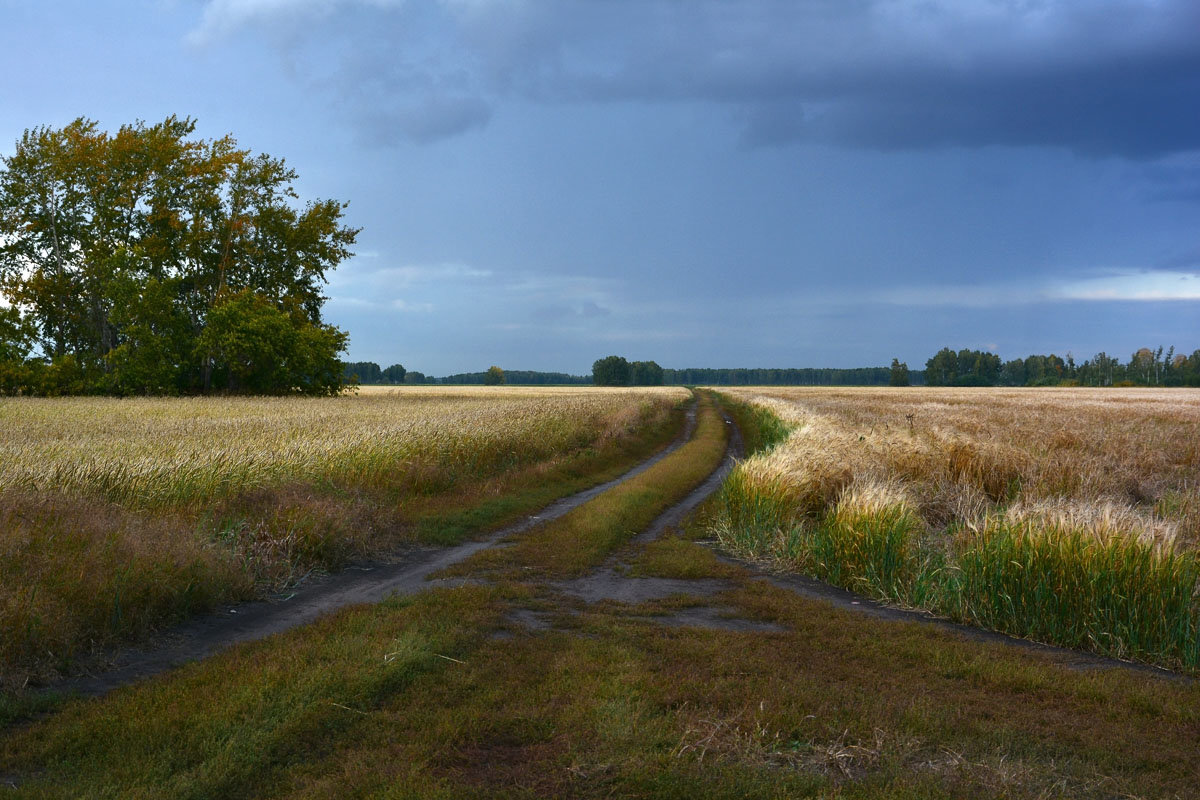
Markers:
{"x": 118, "y": 514}
{"x": 1068, "y": 515}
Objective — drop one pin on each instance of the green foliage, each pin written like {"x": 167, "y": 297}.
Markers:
{"x": 255, "y": 348}
{"x": 494, "y": 376}
{"x": 16, "y": 343}
{"x": 899, "y": 373}
{"x": 362, "y": 372}
{"x": 646, "y": 373}
{"x": 617, "y": 371}
{"x": 118, "y": 248}
{"x": 964, "y": 368}
{"x": 611, "y": 371}
{"x": 369, "y": 372}
{"x": 1146, "y": 367}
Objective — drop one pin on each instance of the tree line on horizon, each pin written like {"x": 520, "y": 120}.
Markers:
{"x": 1145, "y": 367}
{"x": 369, "y": 373}
{"x": 799, "y": 376}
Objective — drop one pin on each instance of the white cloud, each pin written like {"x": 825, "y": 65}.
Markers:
{"x": 1158, "y": 285}
{"x": 1114, "y": 286}
{"x": 405, "y": 306}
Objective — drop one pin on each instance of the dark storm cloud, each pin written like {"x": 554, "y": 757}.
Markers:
{"x": 1137, "y": 111}
{"x": 1113, "y": 77}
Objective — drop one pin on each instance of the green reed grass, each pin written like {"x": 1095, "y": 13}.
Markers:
{"x": 1118, "y": 596}
{"x": 874, "y": 553}
{"x": 750, "y": 514}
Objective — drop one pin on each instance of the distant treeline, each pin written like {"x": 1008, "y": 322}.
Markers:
{"x": 522, "y": 377}
{"x": 1146, "y": 367}
{"x": 370, "y": 373}
{"x": 807, "y": 376}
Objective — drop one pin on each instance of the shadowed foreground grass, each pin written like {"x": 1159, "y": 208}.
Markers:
{"x": 440, "y": 696}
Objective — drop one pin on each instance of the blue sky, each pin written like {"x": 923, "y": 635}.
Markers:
{"x": 703, "y": 183}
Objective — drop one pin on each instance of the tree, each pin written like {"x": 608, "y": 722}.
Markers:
{"x": 645, "y": 373}
{"x": 363, "y": 372}
{"x": 899, "y": 376}
{"x": 494, "y": 376}
{"x": 942, "y": 369}
{"x": 254, "y": 347}
{"x": 16, "y": 344}
{"x": 120, "y": 247}
{"x": 394, "y": 374}
{"x": 1142, "y": 364}
{"x": 611, "y": 371}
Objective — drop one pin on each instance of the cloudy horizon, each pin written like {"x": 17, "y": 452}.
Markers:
{"x": 705, "y": 184}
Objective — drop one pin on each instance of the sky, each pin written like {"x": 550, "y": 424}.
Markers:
{"x": 702, "y": 183}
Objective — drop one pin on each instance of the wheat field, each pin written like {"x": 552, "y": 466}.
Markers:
{"x": 1066, "y": 515}
{"x": 117, "y": 515}
{"x": 167, "y": 451}
{"x": 1112, "y": 461}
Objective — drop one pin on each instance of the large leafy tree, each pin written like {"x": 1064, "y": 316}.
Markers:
{"x": 120, "y": 250}
{"x": 611, "y": 371}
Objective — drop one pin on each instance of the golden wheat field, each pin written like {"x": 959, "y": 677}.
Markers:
{"x": 1110, "y": 461}
{"x": 1069, "y": 516}
{"x": 154, "y": 451}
